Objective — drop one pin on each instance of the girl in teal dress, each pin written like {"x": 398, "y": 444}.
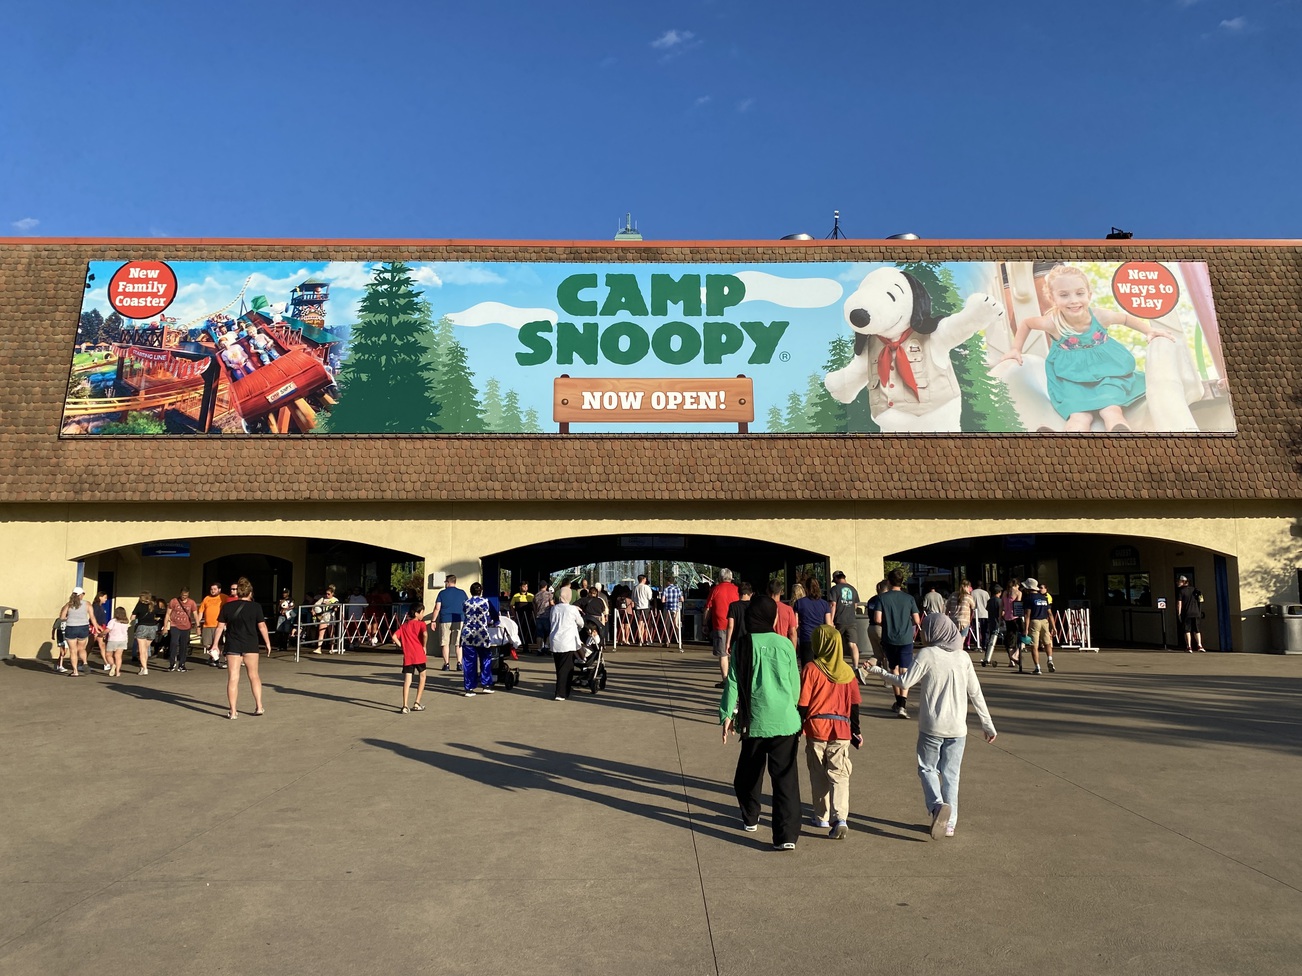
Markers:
{"x": 1087, "y": 371}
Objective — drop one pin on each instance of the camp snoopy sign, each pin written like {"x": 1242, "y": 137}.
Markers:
{"x": 393, "y": 347}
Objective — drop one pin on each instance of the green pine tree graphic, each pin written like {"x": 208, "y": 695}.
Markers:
{"x": 386, "y": 385}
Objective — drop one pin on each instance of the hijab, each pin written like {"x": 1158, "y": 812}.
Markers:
{"x": 829, "y": 656}
{"x": 761, "y": 612}
{"x": 938, "y": 630}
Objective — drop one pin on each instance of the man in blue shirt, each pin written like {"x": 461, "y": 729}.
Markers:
{"x": 448, "y": 611}
{"x": 1035, "y": 605}
{"x": 899, "y": 619}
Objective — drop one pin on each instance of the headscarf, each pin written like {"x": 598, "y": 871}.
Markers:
{"x": 938, "y": 630}
{"x": 829, "y": 656}
{"x": 761, "y": 612}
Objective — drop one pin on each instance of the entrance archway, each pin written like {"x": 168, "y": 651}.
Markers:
{"x": 1127, "y": 582}
{"x": 751, "y": 560}
{"x": 754, "y": 560}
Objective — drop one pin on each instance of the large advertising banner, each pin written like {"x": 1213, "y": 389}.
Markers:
{"x": 386, "y": 347}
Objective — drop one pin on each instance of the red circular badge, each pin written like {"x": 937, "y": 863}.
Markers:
{"x": 141, "y": 289}
{"x": 1145, "y": 289}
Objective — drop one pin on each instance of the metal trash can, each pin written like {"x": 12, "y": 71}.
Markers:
{"x": 8, "y": 617}
{"x": 1285, "y": 627}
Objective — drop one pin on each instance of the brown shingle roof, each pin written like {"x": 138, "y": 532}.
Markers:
{"x": 1258, "y": 292}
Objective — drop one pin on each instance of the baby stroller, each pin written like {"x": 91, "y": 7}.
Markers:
{"x": 505, "y": 638}
{"x": 589, "y": 662}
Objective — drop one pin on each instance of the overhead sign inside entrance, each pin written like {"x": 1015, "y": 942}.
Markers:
{"x": 385, "y": 347}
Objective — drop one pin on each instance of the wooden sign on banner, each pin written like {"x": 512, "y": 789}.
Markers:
{"x": 623, "y": 400}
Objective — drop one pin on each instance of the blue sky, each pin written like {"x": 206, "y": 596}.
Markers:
{"x": 708, "y": 120}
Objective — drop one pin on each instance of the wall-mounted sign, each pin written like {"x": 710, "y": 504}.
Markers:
{"x": 517, "y": 348}
{"x": 1125, "y": 557}
{"x": 165, "y": 549}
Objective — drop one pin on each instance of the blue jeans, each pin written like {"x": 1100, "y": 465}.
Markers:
{"x": 938, "y": 764}
{"x": 476, "y": 667}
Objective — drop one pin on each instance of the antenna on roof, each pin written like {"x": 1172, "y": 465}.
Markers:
{"x": 836, "y": 228}
{"x": 629, "y": 231}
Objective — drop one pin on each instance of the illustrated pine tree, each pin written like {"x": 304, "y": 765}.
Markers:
{"x": 795, "y": 421}
{"x": 531, "y": 423}
{"x": 986, "y": 403}
{"x": 387, "y": 383}
{"x": 775, "y": 423}
{"x": 492, "y": 406}
{"x": 512, "y": 422}
{"x": 454, "y": 383}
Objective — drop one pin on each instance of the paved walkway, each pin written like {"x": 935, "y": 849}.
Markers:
{"x": 1138, "y": 814}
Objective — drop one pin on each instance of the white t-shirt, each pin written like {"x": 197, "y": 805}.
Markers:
{"x": 566, "y": 621}
{"x": 642, "y": 596}
{"x": 982, "y": 598}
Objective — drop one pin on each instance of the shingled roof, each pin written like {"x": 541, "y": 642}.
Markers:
{"x": 1257, "y": 287}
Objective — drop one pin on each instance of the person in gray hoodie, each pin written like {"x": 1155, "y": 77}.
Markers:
{"x": 949, "y": 683}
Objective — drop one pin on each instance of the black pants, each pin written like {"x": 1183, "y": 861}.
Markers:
{"x": 564, "y": 669}
{"x": 779, "y": 753}
{"x": 179, "y": 648}
{"x": 1013, "y": 637}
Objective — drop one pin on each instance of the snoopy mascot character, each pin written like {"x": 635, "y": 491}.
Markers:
{"x": 901, "y": 353}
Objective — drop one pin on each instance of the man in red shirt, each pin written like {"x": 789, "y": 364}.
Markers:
{"x": 788, "y": 624}
{"x": 410, "y": 637}
{"x": 721, "y": 597}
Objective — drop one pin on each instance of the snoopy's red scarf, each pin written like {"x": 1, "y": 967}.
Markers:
{"x": 890, "y": 355}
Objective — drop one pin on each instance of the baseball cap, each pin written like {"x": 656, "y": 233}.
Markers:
{"x": 838, "y": 575}
{"x": 79, "y": 591}
{"x": 1032, "y": 582}
{"x": 1182, "y": 578}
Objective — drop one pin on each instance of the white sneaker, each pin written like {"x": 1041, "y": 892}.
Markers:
{"x": 470, "y": 694}
{"x": 560, "y": 699}
{"x": 486, "y": 691}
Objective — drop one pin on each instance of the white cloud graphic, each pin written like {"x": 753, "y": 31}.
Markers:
{"x": 790, "y": 292}
{"x": 440, "y": 273}
{"x": 345, "y": 274}
{"x": 491, "y": 313}
{"x": 1234, "y": 24}
{"x": 25, "y": 224}
{"x": 423, "y": 274}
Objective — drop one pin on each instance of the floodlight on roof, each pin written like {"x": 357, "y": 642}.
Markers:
{"x": 797, "y": 237}
{"x": 904, "y": 237}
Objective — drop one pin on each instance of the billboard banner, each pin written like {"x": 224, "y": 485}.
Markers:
{"x": 386, "y": 347}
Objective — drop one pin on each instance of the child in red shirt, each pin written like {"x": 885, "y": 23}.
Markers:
{"x": 829, "y": 707}
{"x": 411, "y": 640}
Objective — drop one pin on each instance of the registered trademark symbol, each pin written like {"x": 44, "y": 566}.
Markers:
{"x": 784, "y": 357}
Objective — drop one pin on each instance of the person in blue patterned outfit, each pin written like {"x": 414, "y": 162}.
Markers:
{"x": 476, "y": 643}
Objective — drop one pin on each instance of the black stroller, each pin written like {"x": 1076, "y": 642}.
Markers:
{"x": 505, "y": 639}
{"x": 590, "y": 661}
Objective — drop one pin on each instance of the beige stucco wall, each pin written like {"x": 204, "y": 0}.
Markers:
{"x": 41, "y": 543}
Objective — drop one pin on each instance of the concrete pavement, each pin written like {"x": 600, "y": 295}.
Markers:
{"x": 1136, "y": 815}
